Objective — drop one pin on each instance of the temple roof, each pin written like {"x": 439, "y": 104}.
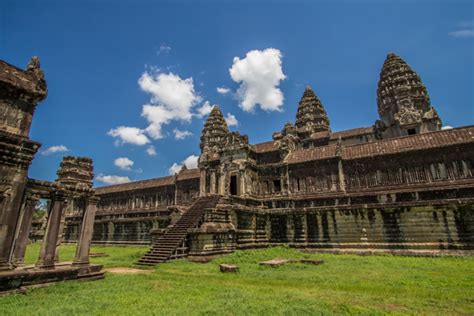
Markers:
{"x": 151, "y": 183}
{"x": 136, "y": 185}
{"x": 188, "y": 174}
{"x": 352, "y": 132}
{"x": 311, "y": 114}
{"x": 265, "y": 147}
{"x": 437, "y": 139}
{"x": 30, "y": 80}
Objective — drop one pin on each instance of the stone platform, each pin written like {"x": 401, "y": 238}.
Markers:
{"x": 22, "y": 278}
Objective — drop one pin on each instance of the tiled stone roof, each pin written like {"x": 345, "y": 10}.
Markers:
{"x": 145, "y": 184}
{"x": 462, "y": 135}
{"x": 317, "y": 153}
{"x": 136, "y": 185}
{"x": 352, "y": 132}
{"x": 265, "y": 147}
{"x": 188, "y": 174}
{"x": 437, "y": 139}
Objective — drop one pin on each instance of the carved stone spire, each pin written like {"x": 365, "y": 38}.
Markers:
{"x": 403, "y": 101}
{"x": 76, "y": 172}
{"x": 214, "y": 132}
{"x": 311, "y": 115}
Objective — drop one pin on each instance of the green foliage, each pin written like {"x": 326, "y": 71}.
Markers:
{"x": 344, "y": 284}
{"x": 38, "y": 214}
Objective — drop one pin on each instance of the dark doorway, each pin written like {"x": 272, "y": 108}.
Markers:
{"x": 411, "y": 131}
{"x": 233, "y": 185}
{"x": 276, "y": 185}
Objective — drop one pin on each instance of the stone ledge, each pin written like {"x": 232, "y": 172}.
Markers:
{"x": 29, "y": 277}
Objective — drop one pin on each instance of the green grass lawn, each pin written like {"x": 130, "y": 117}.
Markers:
{"x": 344, "y": 284}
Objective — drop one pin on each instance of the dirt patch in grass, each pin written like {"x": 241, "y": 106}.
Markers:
{"x": 392, "y": 307}
{"x": 121, "y": 270}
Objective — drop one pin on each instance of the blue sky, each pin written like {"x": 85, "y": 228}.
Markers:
{"x": 94, "y": 54}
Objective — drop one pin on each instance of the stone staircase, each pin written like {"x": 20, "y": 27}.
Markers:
{"x": 172, "y": 244}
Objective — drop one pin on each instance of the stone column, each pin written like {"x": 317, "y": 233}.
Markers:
{"x": 342, "y": 182}
{"x": 68, "y": 204}
{"x": 48, "y": 247}
{"x": 10, "y": 205}
{"x": 85, "y": 236}
{"x": 213, "y": 183}
{"x": 24, "y": 230}
{"x": 202, "y": 182}
{"x": 254, "y": 227}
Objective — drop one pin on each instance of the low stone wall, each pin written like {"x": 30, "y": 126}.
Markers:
{"x": 448, "y": 226}
{"x": 131, "y": 228}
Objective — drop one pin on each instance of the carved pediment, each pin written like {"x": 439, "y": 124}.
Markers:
{"x": 408, "y": 115}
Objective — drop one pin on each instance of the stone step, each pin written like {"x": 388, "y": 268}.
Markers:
{"x": 171, "y": 240}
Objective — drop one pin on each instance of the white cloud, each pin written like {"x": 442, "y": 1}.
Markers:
{"x": 175, "y": 168}
{"x": 465, "y": 33}
{"x": 151, "y": 150}
{"x": 231, "y": 120}
{"x": 124, "y": 163}
{"x": 190, "y": 162}
{"x": 446, "y": 127}
{"x": 181, "y": 134}
{"x": 129, "y": 135}
{"x": 205, "y": 109}
{"x": 259, "y": 75}
{"x": 112, "y": 179}
{"x": 54, "y": 149}
{"x": 164, "y": 49}
{"x": 223, "y": 90}
{"x": 172, "y": 98}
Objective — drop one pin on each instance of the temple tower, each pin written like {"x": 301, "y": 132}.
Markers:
{"x": 311, "y": 116}
{"x": 20, "y": 91}
{"x": 403, "y": 102}
{"x": 214, "y": 132}
{"x": 213, "y": 138}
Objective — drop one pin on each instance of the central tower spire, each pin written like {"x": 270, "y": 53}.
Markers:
{"x": 214, "y": 132}
{"x": 311, "y": 116}
{"x": 403, "y": 102}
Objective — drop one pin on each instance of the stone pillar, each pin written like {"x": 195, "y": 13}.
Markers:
{"x": 10, "y": 205}
{"x": 241, "y": 183}
{"x": 222, "y": 183}
{"x": 254, "y": 227}
{"x": 48, "y": 247}
{"x": 305, "y": 227}
{"x": 24, "y": 230}
{"x": 68, "y": 204}
{"x": 202, "y": 182}
{"x": 85, "y": 236}
{"x": 213, "y": 183}
{"x": 342, "y": 182}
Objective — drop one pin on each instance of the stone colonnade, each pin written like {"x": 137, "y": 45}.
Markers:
{"x": 59, "y": 202}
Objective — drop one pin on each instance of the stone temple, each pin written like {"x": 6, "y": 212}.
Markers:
{"x": 403, "y": 184}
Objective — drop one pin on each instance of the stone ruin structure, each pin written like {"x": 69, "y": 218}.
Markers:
{"x": 20, "y": 92}
{"x": 402, "y": 183}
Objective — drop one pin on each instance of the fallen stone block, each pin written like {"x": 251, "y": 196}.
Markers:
{"x": 228, "y": 268}
{"x": 274, "y": 262}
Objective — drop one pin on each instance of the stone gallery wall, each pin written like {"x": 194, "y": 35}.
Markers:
{"x": 120, "y": 228}
{"x": 448, "y": 226}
